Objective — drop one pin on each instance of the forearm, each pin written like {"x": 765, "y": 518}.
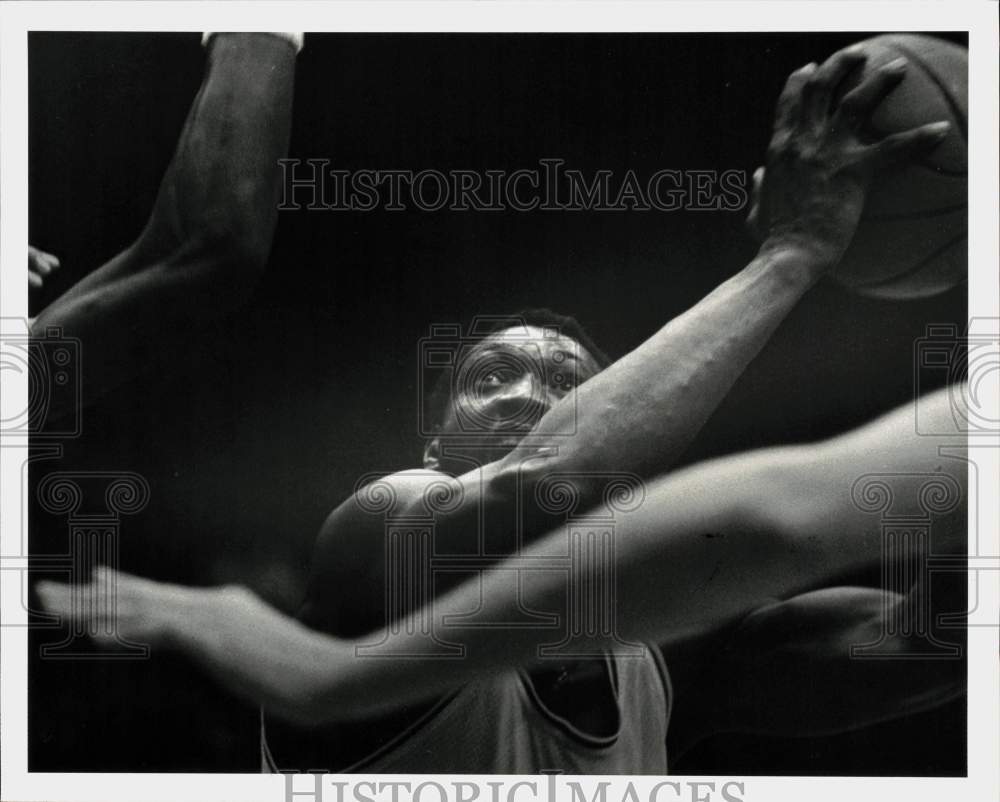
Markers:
{"x": 256, "y": 651}
{"x": 642, "y": 412}
{"x": 223, "y": 182}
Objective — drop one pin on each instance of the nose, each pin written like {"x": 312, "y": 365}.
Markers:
{"x": 519, "y": 404}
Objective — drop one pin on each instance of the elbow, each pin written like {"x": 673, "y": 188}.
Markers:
{"x": 222, "y": 263}
{"x": 302, "y": 710}
{"x": 304, "y": 700}
{"x": 233, "y": 249}
{"x": 224, "y": 244}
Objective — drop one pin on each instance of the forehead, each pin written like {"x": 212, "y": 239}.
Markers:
{"x": 535, "y": 340}
{"x": 534, "y": 336}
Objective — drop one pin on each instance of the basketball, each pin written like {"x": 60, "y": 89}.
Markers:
{"x": 912, "y": 238}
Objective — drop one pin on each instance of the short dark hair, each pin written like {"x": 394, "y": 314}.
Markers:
{"x": 542, "y": 317}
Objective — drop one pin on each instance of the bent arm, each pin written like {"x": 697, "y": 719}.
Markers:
{"x": 210, "y": 230}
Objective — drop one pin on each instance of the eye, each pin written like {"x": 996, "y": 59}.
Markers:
{"x": 497, "y": 377}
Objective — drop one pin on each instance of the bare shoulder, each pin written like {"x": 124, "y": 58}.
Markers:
{"x": 381, "y": 496}
{"x": 347, "y": 576}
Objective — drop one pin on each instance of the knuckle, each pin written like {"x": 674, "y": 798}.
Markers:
{"x": 817, "y": 80}
{"x": 801, "y": 75}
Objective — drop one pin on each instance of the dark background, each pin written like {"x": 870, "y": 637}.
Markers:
{"x": 257, "y": 433}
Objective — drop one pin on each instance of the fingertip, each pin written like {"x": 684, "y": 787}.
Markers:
{"x": 938, "y": 129}
{"x": 48, "y": 593}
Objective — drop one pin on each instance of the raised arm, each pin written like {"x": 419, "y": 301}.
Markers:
{"x": 639, "y": 414}
{"x": 710, "y": 545}
{"x": 642, "y": 412}
{"x": 210, "y": 231}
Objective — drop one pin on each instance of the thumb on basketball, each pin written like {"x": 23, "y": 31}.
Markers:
{"x": 908, "y": 145}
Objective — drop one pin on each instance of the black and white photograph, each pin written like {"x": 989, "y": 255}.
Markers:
{"x": 501, "y": 403}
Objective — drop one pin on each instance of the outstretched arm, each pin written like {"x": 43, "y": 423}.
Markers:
{"x": 710, "y": 545}
{"x": 209, "y": 234}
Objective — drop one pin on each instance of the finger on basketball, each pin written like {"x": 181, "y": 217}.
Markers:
{"x": 790, "y": 100}
{"x": 858, "y": 104}
{"x": 818, "y": 90}
{"x": 908, "y": 145}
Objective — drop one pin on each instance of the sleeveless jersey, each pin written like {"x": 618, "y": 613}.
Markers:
{"x": 498, "y": 725}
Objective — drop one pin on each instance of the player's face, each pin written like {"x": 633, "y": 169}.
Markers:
{"x": 507, "y": 382}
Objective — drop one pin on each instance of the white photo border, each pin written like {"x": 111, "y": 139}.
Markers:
{"x": 17, "y": 19}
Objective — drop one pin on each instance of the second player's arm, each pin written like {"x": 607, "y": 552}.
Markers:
{"x": 209, "y": 234}
{"x": 710, "y": 545}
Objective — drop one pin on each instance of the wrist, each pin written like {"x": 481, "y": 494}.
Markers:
{"x": 799, "y": 255}
{"x": 184, "y": 613}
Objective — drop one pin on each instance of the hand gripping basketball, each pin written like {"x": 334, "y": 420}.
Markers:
{"x": 819, "y": 164}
